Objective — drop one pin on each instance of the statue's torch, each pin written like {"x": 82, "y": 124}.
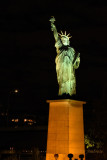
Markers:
{"x": 52, "y": 20}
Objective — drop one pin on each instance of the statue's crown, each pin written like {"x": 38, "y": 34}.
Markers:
{"x": 64, "y": 35}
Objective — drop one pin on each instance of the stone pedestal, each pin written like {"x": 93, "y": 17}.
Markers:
{"x": 65, "y": 129}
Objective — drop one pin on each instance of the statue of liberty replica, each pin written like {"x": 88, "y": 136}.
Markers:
{"x": 65, "y": 114}
{"x": 66, "y": 61}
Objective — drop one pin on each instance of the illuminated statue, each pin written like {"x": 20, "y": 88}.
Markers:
{"x": 66, "y": 62}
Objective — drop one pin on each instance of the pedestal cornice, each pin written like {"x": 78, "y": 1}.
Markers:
{"x": 66, "y": 100}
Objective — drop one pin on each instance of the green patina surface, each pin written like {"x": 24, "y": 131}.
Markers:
{"x": 66, "y": 62}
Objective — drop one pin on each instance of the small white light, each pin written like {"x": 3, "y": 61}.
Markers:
{"x": 16, "y": 91}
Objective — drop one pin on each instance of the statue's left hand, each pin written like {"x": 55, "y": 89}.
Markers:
{"x": 77, "y": 62}
{"x": 78, "y": 59}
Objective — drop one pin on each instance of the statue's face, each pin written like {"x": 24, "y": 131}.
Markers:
{"x": 65, "y": 41}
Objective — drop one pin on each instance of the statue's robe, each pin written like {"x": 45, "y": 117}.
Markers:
{"x": 65, "y": 68}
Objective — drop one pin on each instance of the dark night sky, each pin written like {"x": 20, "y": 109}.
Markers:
{"x": 27, "y": 52}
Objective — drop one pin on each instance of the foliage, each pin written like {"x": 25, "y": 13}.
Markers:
{"x": 89, "y": 143}
{"x": 92, "y": 143}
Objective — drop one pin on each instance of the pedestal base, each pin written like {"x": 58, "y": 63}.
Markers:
{"x": 65, "y": 129}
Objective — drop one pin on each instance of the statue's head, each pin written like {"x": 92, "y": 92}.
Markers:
{"x": 64, "y": 38}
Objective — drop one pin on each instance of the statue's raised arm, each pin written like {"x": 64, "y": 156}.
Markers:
{"x": 53, "y": 28}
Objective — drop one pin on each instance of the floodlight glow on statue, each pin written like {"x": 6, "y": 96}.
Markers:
{"x": 66, "y": 62}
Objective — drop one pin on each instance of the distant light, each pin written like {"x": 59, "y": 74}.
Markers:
{"x": 11, "y": 148}
{"x": 16, "y": 91}
{"x": 25, "y": 120}
{"x": 15, "y": 120}
{"x": 30, "y": 124}
{"x": 30, "y": 120}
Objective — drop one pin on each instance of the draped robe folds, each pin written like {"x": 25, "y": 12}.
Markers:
{"x": 65, "y": 68}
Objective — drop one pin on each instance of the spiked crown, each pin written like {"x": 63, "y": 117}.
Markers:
{"x": 64, "y": 35}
